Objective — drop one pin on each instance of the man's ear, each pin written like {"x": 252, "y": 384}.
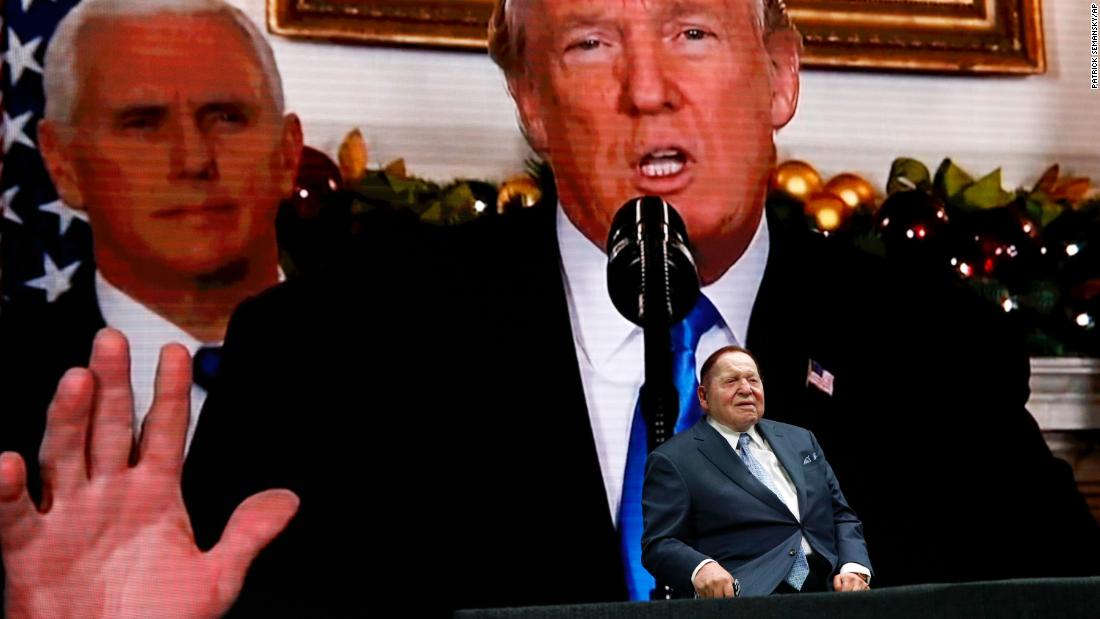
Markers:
{"x": 701, "y": 393}
{"x": 59, "y": 158}
{"x": 530, "y": 114}
{"x": 290, "y": 153}
{"x": 785, "y": 53}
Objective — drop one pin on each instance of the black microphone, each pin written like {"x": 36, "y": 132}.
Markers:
{"x": 651, "y": 271}
{"x": 653, "y": 282}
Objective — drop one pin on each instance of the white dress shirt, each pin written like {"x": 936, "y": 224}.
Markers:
{"x": 610, "y": 348}
{"x": 147, "y": 332}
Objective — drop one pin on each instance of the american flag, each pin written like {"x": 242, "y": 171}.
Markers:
{"x": 819, "y": 377}
{"x": 45, "y": 246}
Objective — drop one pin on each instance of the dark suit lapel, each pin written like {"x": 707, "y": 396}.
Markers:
{"x": 780, "y": 335}
{"x": 517, "y": 338}
{"x": 550, "y": 310}
{"x": 717, "y": 450}
{"x": 787, "y": 454}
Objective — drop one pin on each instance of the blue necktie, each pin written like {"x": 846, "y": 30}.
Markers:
{"x": 685, "y": 338}
{"x": 205, "y": 366}
{"x": 801, "y": 568}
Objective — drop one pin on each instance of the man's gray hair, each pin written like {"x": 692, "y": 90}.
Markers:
{"x": 507, "y": 40}
{"x": 62, "y": 78}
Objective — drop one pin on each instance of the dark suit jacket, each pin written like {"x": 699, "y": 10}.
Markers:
{"x": 38, "y": 344}
{"x": 427, "y": 405}
{"x": 701, "y": 502}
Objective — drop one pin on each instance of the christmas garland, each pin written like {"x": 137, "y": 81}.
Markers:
{"x": 1034, "y": 252}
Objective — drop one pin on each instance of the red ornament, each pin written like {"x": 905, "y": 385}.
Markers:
{"x": 317, "y": 184}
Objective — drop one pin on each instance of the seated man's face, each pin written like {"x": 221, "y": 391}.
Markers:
{"x": 176, "y": 150}
{"x": 662, "y": 97}
{"x": 733, "y": 393}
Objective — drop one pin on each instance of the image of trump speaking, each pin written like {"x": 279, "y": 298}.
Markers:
{"x": 471, "y": 407}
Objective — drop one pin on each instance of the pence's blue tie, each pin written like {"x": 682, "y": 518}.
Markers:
{"x": 205, "y": 366}
{"x": 685, "y": 338}
{"x": 801, "y": 568}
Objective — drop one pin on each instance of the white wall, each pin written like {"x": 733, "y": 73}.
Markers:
{"x": 448, "y": 113}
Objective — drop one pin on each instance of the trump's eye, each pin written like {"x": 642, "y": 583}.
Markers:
{"x": 692, "y": 34}
{"x": 586, "y": 44}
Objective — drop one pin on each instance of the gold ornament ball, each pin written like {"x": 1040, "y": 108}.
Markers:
{"x": 518, "y": 191}
{"x": 353, "y": 157}
{"x": 797, "y": 178}
{"x": 853, "y": 189}
{"x": 828, "y": 210}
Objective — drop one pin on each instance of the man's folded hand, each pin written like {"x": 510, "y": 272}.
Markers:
{"x": 713, "y": 581}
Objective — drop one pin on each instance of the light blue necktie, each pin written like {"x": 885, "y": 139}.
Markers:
{"x": 801, "y": 568}
{"x": 685, "y": 337}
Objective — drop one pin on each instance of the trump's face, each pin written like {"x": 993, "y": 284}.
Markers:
{"x": 175, "y": 150}
{"x": 733, "y": 393}
{"x": 676, "y": 98}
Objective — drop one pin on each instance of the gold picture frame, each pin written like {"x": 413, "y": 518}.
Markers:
{"x": 451, "y": 24}
{"x": 937, "y": 36}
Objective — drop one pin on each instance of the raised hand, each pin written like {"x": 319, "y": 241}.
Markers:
{"x": 112, "y": 537}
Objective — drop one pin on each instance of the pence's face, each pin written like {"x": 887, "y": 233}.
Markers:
{"x": 176, "y": 150}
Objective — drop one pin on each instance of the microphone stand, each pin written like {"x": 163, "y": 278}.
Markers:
{"x": 660, "y": 399}
{"x": 642, "y": 277}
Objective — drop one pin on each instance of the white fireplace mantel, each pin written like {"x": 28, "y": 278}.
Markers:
{"x": 1065, "y": 393}
{"x": 1065, "y": 401}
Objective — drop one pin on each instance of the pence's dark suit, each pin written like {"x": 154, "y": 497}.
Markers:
{"x": 38, "y": 344}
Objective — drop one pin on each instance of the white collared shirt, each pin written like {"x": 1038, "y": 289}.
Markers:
{"x": 610, "y": 348}
{"x": 147, "y": 332}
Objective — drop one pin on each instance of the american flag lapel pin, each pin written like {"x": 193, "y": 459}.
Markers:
{"x": 819, "y": 377}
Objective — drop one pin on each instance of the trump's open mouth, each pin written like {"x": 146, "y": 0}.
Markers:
{"x": 663, "y": 163}
{"x": 663, "y": 168}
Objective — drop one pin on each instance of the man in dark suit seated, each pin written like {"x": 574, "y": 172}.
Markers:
{"x": 740, "y": 504}
{"x": 456, "y": 407}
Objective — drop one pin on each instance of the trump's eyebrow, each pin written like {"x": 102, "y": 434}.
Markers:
{"x": 586, "y": 19}
{"x": 596, "y": 16}
{"x": 689, "y": 7}
{"x": 693, "y": 9}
